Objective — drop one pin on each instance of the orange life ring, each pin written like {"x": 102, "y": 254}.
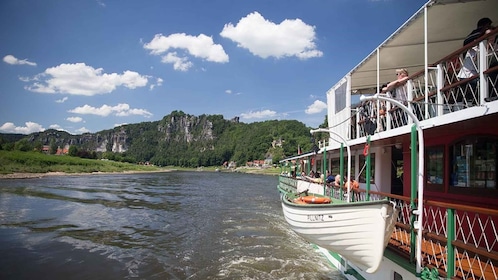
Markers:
{"x": 315, "y": 199}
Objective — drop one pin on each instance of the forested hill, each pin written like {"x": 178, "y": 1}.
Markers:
{"x": 178, "y": 139}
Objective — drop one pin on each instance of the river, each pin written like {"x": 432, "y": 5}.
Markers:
{"x": 173, "y": 225}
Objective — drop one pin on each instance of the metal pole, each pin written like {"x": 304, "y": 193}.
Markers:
{"x": 341, "y": 171}
{"x": 413, "y": 192}
{"x": 420, "y": 208}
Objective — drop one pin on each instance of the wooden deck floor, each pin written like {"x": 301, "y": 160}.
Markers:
{"x": 434, "y": 255}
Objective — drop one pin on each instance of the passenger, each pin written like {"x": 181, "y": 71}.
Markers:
{"x": 398, "y": 87}
{"x": 330, "y": 178}
{"x": 484, "y": 26}
{"x": 337, "y": 181}
{"x": 399, "y": 91}
{"x": 354, "y": 185}
{"x": 469, "y": 65}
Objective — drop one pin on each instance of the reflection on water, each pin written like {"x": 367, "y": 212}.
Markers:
{"x": 178, "y": 225}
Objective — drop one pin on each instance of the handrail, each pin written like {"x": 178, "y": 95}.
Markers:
{"x": 467, "y": 47}
{"x": 480, "y": 210}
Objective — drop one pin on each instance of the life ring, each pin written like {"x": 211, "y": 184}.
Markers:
{"x": 366, "y": 149}
{"x": 315, "y": 199}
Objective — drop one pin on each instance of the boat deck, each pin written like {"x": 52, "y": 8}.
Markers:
{"x": 435, "y": 253}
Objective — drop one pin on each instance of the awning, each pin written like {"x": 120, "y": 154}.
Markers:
{"x": 448, "y": 21}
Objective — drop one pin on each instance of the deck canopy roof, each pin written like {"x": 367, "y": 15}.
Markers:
{"x": 448, "y": 23}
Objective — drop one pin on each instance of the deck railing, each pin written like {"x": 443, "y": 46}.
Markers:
{"x": 461, "y": 242}
{"x": 447, "y": 91}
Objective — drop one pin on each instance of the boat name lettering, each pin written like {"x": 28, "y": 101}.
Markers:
{"x": 315, "y": 218}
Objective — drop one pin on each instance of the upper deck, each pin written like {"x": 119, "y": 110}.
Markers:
{"x": 433, "y": 56}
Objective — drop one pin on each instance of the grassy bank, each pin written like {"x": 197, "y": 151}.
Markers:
{"x": 34, "y": 162}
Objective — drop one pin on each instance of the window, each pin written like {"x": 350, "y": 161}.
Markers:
{"x": 363, "y": 169}
{"x": 434, "y": 167}
{"x": 473, "y": 163}
{"x": 340, "y": 97}
{"x": 336, "y": 166}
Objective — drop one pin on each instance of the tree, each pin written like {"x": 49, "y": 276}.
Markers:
{"x": 23, "y": 145}
{"x": 53, "y": 147}
{"x": 73, "y": 151}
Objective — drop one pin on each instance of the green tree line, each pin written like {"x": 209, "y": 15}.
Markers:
{"x": 181, "y": 140}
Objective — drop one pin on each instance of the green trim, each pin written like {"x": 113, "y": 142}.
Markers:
{"x": 340, "y": 259}
{"x": 403, "y": 262}
{"x": 450, "y": 226}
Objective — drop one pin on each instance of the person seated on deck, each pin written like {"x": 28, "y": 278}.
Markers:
{"x": 315, "y": 177}
{"x": 354, "y": 185}
{"x": 337, "y": 181}
{"x": 330, "y": 178}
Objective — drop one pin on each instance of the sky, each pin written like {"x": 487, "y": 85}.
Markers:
{"x": 91, "y": 65}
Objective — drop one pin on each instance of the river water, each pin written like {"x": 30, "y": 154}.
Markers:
{"x": 174, "y": 225}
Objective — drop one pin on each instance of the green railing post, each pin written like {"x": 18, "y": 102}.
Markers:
{"x": 369, "y": 170}
{"x": 308, "y": 166}
{"x": 341, "y": 170}
{"x": 413, "y": 193}
{"x": 450, "y": 229}
{"x": 324, "y": 170}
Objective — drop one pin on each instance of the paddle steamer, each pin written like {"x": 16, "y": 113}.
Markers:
{"x": 434, "y": 155}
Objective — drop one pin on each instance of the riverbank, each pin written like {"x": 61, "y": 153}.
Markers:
{"x": 25, "y": 165}
{"x": 27, "y": 175}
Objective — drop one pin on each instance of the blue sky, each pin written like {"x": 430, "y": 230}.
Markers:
{"x": 90, "y": 65}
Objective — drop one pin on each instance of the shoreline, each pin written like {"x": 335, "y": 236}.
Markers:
{"x": 27, "y": 175}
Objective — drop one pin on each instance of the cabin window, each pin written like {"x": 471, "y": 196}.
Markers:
{"x": 340, "y": 98}
{"x": 434, "y": 168}
{"x": 362, "y": 178}
{"x": 473, "y": 163}
{"x": 336, "y": 166}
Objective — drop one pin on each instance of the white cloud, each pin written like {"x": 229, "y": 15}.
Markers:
{"x": 201, "y": 46}
{"x": 317, "y": 107}
{"x": 159, "y": 82}
{"x": 74, "y": 119}
{"x": 119, "y": 110}
{"x": 229, "y": 91}
{"x": 62, "y": 100}
{"x": 57, "y": 127}
{"x": 82, "y": 130}
{"x": 10, "y": 59}
{"x": 292, "y": 37}
{"x": 80, "y": 79}
{"x": 30, "y": 127}
{"x": 179, "y": 63}
{"x": 258, "y": 114}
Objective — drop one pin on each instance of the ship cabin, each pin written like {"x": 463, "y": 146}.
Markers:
{"x": 459, "y": 118}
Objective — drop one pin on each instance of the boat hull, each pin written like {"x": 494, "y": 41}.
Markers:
{"x": 358, "y": 231}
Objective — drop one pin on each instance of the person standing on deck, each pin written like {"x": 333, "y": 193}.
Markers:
{"x": 469, "y": 67}
{"x": 398, "y": 87}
